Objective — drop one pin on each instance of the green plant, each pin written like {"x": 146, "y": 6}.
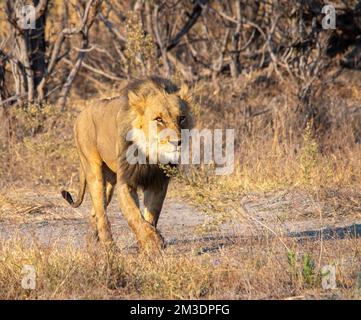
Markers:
{"x": 305, "y": 274}
{"x": 308, "y": 270}
{"x": 292, "y": 263}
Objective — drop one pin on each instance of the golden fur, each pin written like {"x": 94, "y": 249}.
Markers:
{"x": 100, "y": 134}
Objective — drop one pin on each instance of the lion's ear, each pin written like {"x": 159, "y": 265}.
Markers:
{"x": 184, "y": 93}
{"x": 136, "y": 101}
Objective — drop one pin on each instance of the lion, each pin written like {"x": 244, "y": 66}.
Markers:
{"x": 102, "y": 140}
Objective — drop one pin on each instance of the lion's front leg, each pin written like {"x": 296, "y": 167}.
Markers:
{"x": 147, "y": 236}
{"x": 153, "y": 203}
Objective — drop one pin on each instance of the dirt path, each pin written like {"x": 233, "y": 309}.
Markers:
{"x": 45, "y": 218}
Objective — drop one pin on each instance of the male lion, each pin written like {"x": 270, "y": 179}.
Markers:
{"x": 101, "y": 134}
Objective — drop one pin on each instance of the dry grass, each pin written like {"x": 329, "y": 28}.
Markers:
{"x": 246, "y": 269}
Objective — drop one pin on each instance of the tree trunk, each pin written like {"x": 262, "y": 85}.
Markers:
{"x": 37, "y": 48}
{"x": 29, "y": 50}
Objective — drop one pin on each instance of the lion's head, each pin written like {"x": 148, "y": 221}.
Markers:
{"x": 160, "y": 111}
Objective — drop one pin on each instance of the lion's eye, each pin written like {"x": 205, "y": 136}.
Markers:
{"x": 159, "y": 120}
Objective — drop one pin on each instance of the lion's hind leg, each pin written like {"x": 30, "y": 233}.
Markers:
{"x": 97, "y": 190}
{"x": 109, "y": 188}
{"x": 109, "y": 180}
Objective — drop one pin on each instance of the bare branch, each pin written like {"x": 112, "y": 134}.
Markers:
{"x": 109, "y": 26}
{"x": 74, "y": 71}
{"x": 185, "y": 70}
{"x": 196, "y": 12}
{"x": 159, "y": 40}
{"x": 54, "y": 59}
{"x": 97, "y": 71}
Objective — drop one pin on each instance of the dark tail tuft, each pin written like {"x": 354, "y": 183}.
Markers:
{"x": 67, "y": 196}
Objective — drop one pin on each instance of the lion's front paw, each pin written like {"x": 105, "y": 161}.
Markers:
{"x": 152, "y": 241}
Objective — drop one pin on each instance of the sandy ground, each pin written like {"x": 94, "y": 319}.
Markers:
{"x": 47, "y": 219}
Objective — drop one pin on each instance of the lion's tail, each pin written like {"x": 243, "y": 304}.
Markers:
{"x": 67, "y": 196}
